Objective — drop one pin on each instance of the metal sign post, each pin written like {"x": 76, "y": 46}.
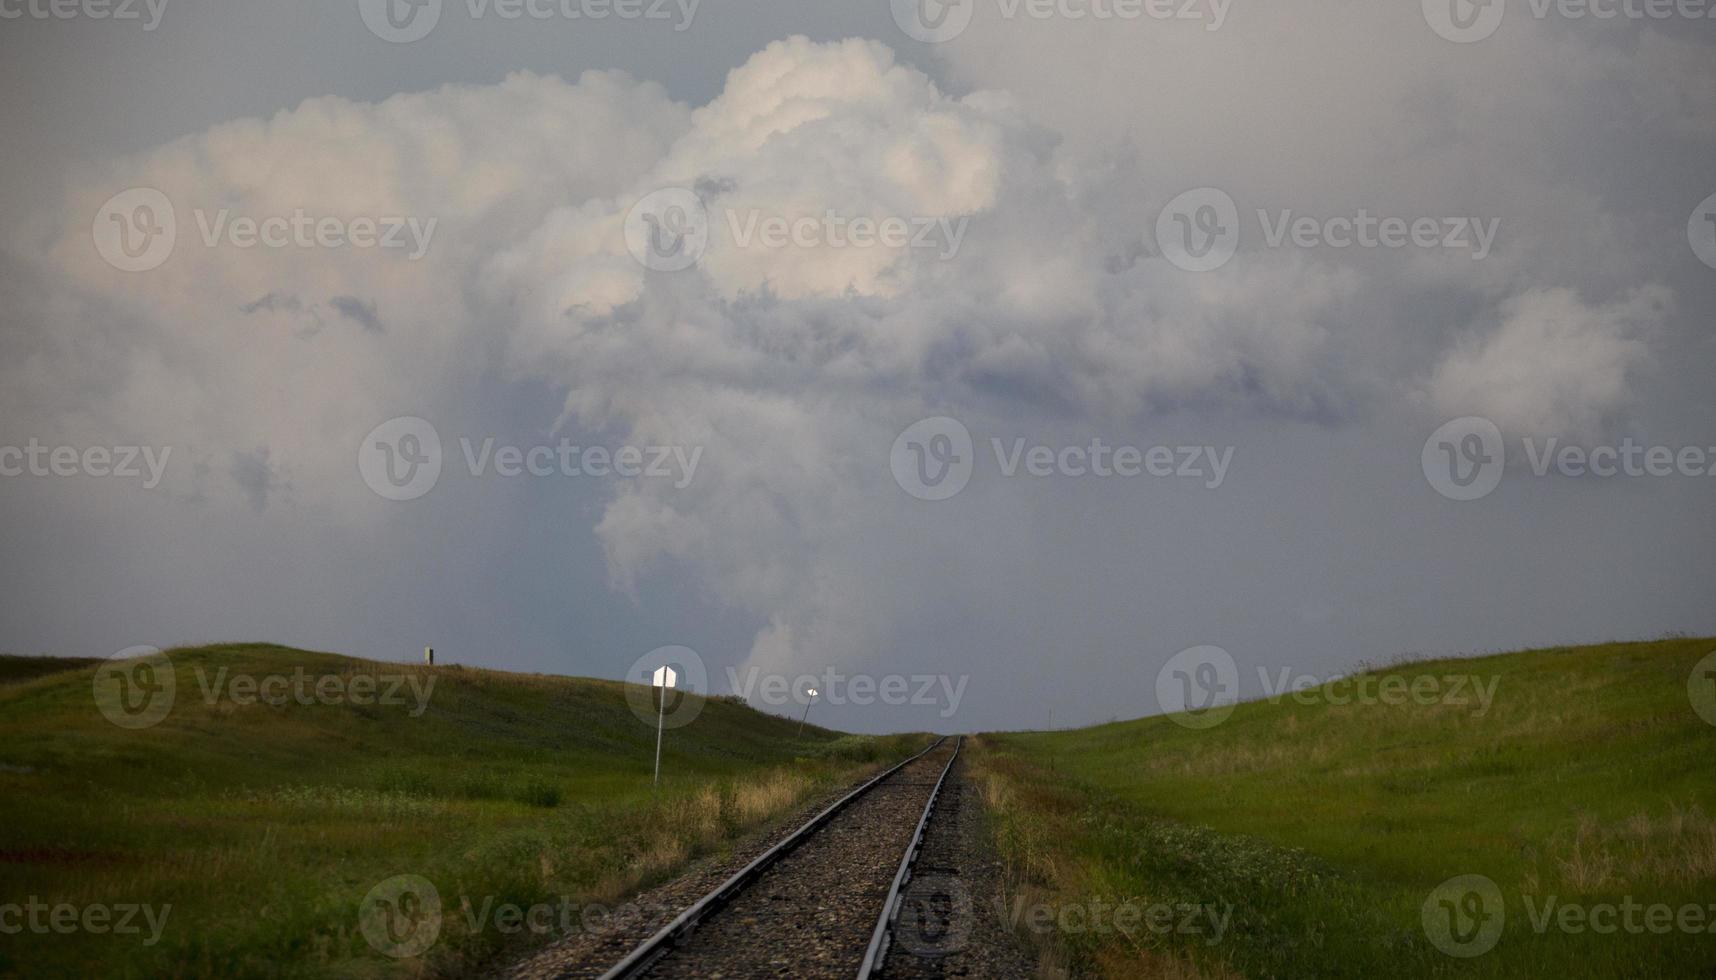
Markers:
{"x": 665, "y": 677}
{"x": 812, "y": 692}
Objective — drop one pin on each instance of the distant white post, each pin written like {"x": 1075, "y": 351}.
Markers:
{"x": 812, "y": 692}
{"x": 429, "y": 656}
{"x": 665, "y": 677}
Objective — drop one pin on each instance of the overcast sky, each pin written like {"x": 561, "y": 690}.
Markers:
{"x": 1060, "y": 232}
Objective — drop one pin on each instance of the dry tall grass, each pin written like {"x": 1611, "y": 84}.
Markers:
{"x": 686, "y": 826}
{"x": 1035, "y": 872}
{"x": 1674, "y": 848}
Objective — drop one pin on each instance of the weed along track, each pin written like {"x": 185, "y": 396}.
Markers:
{"x": 824, "y": 902}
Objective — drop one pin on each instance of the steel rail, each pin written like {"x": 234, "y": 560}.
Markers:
{"x": 883, "y": 935}
{"x": 639, "y": 960}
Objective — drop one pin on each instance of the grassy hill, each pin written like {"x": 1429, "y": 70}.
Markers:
{"x": 14, "y": 669}
{"x": 1326, "y": 827}
{"x": 265, "y": 825}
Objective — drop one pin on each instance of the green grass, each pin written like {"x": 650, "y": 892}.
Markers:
{"x": 1590, "y": 778}
{"x": 14, "y": 669}
{"x": 264, "y": 826}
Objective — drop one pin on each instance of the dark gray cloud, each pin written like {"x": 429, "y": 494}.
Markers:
{"x": 274, "y": 303}
{"x": 358, "y": 311}
{"x": 254, "y": 476}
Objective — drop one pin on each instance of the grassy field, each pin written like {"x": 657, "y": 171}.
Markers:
{"x": 13, "y": 669}
{"x": 264, "y": 826}
{"x": 1325, "y": 828}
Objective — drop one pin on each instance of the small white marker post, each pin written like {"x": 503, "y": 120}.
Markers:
{"x": 812, "y": 692}
{"x": 665, "y": 677}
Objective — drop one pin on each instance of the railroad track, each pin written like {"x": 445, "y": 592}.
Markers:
{"x": 825, "y": 901}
